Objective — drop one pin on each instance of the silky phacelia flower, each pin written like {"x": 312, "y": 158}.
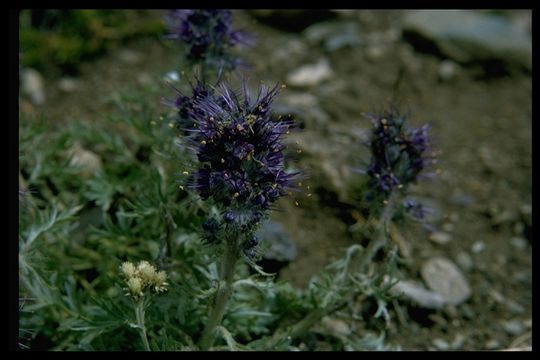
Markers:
{"x": 186, "y": 109}
{"x": 207, "y": 35}
{"x": 399, "y": 153}
{"x": 240, "y": 159}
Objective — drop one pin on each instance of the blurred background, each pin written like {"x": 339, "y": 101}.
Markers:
{"x": 467, "y": 73}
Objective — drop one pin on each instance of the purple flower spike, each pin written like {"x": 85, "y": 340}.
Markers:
{"x": 241, "y": 165}
{"x": 399, "y": 153}
{"x": 207, "y": 35}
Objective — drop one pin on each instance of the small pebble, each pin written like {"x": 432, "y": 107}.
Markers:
{"x": 440, "y": 237}
{"x": 478, "y": 247}
{"x": 464, "y": 261}
{"x": 519, "y": 243}
{"x": 440, "y": 344}
{"x": 513, "y": 327}
{"x": 492, "y": 344}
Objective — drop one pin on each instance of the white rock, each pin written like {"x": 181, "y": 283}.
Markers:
{"x": 441, "y": 344}
{"x": 417, "y": 293}
{"x": 443, "y": 277}
{"x": 513, "y": 327}
{"x": 68, "y": 84}
{"x": 478, "y": 247}
{"x": 86, "y": 160}
{"x": 172, "y": 76}
{"x": 440, "y": 237}
{"x": 464, "y": 261}
{"x": 336, "y": 327}
{"x": 33, "y": 85}
{"x": 448, "y": 70}
{"x": 519, "y": 243}
{"x": 311, "y": 74}
{"x": 129, "y": 56}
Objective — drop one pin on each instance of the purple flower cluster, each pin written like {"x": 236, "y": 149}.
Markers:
{"x": 399, "y": 153}
{"x": 207, "y": 35}
{"x": 240, "y": 155}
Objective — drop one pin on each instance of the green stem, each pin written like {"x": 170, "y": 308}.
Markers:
{"x": 317, "y": 314}
{"x": 139, "y": 314}
{"x": 381, "y": 233}
{"x": 223, "y": 294}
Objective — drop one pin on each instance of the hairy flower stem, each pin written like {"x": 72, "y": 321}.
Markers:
{"x": 223, "y": 294}
{"x": 139, "y": 314}
{"x": 381, "y": 233}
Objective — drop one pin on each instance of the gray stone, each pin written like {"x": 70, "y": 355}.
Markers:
{"x": 478, "y": 247}
{"x": 440, "y": 237}
{"x": 492, "y": 344}
{"x": 464, "y": 261}
{"x": 289, "y": 49}
{"x": 87, "y": 161}
{"x": 448, "y": 70}
{"x": 311, "y": 74}
{"x": 336, "y": 327}
{"x": 172, "y": 76}
{"x": 69, "y": 84}
{"x": 129, "y": 56}
{"x": 33, "y": 86}
{"x": 417, "y": 293}
{"x": 333, "y": 35}
{"x": 280, "y": 245}
{"x": 458, "y": 342}
{"x": 445, "y": 278}
{"x": 465, "y": 35}
{"x": 519, "y": 243}
{"x": 513, "y": 327}
{"x": 441, "y": 344}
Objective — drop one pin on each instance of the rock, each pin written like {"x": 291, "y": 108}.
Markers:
{"x": 448, "y": 70}
{"x": 69, "y": 84}
{"x": 513, "y": 327}
{"x": 440, "y": 344}
{"x": 129, "y": 56}
{"x": 448, "y": 227}
{"x": 33, "y": 86}
{"x": 443, "y": 277}
{"x": 336, "y": 327}
{"x": 280, "y": 248}
{"x": 465, "y": 36}
{"x": 492, "y": 344}
{"x": 171, "y": 76}
{"x": 519, "y": 243}
{"x": 144, "y": 78}
{"x": 478, "y": 247}
{"x": 311, "y": 74}
{"x": 418, "y": 294}
{"x": 458, "y": 342}
{"x": 289, "y": 49}
{"x": 464, "y": 261}
{"x": 88, "y": 162}
{"x": 375, "y": 52}
{"x": 514, "y": 307}
{"x": 440, "y": 237}
{"x": 333, "y": 35}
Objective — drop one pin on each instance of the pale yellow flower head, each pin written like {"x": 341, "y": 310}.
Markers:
{"x": 147, "y": 272}
{"x": 135, "y": 287}
{"x": 128, "y": 269}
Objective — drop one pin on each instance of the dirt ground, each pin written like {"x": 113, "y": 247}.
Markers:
{"x": 481, "y": 196}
